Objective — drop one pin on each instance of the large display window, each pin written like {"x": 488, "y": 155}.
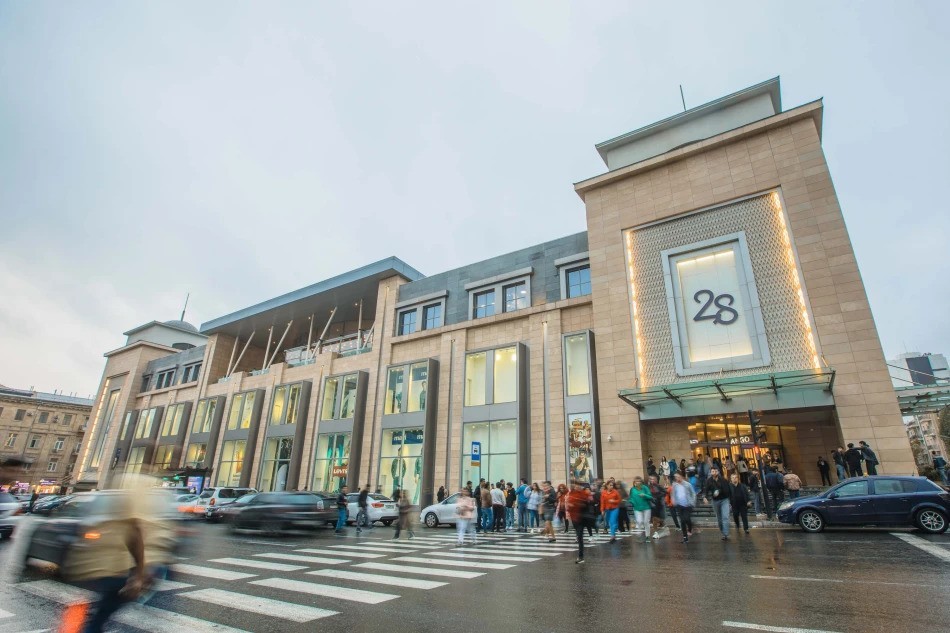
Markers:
{"x": 232, "y": 463}
{"x": 276, "y": 463}
{"x": 400, "y": 463}
{"x": 476, "y": 372}
{"x": 172, "y": 420}
{"x": 498, "y": 443}
{"x": 163, "y": 457}
{"x": 136, "y": 457}
{"x": 577, "y": 364}
{"x": 406, "y": 388}
{"x": 242, "y": 409}
{"x": 285, "y": 405}
{"x": 506, "y": 375}
{"x": 144, "y": 427}
{"x": 196, "y": 455}
{"x": 331, "y": 466}
{"x": 204, "y": 415}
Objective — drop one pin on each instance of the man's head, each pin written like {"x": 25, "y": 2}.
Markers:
{"x": 734, "y": 478}
{"x": 850, "y": 444}
{"x": 524, "y": 481}
{"x": 653, "y": 480}
{"x": 468, "y": 484}
{"x": 344, "y": 489}
{"x": 863, "y": 444}
{"x": 678, "y": 478}
{"x": 510, "y": 485}
{"x": 714, "y": 473}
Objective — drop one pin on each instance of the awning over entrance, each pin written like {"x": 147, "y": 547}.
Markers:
{"x": 922, "y": 399}
{"x": 761, "y": 392}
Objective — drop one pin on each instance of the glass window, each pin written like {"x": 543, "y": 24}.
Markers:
{"x": 578, "y": 281}
{"x": 11, "y": 440}
{"x": 172, "y": 422}
{"x": 191, "y": 373}
{"x": 126, "y": 425}
{"x": 394, "y": 391}
{"x": 277, "y": 405}
{"x": 432, "y": 316}
{"x": 516, "y": 297}
{"x": 242, "y": 408}
{"x": 52, "y": 465}
{"x": 136, "y": 457}
{"x": 276, "y": 463}
{"x": 333, "y": 458}
{"x": 44, "y": 417}
{"x": 330, "y": 391}
{"x": 232, "y": 463}
{"x": 144, "y": 427}
{"x": 407, "y": 322}
{"x": 716, "y": 432}
{"x": 400, "y": 464}
{"x": 34, "y": 441}
{"x": 348, "y": 404}
{"x": 484, "y": 304}
{"x": 60, "y": 442}
{"x": 853, "y": 489}
{"x": 888, "y": 487}
{"x": 418, "y": 381}
{"x": 578, "y": 367}
{"x": 499, "y": 451}
{"x": 20, "y": 414}
{"x": 163, "y": 456}
{"x": 506, "y": 375}
{"x": 67, "y": 419}
{"x": 293, "y": 404}
{"x": 476, "y": 372}
{"x": 204, "y": 415}
{"x": 105, "y": 423}
{"x": 195, "y": 457}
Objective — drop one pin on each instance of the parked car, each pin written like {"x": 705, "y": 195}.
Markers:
{"x": 187, "y": 506}
{"x": 24, "y": 501}
{"x": 215, "y": 497}
{"x": 876, "y": 500}
{"x": 47, "y": 504}
{"x": 443, "y": 512}
{"x": 10, "y": 511}
{"x": 226, "y": 513}
{"x": 276, "y": 512}
{"x": 379, "y": 508}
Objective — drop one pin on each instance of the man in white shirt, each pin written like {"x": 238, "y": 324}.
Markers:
{"x": 498, "y": 508}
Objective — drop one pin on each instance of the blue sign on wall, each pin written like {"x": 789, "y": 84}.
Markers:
{"x": 476, "y": 453}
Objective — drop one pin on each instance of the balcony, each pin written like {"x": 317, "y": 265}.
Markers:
{"x": 346, "y": 345}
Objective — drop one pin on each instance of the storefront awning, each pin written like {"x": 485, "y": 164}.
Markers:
{"x": 922, "y": 399}
{"x": 761, "y": 392}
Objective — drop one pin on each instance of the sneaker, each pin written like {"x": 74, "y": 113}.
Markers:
{"x": 747, "y": 532}
{"x": 686, "y": 539}
{"x": 613, "y": 540}
{"x": 724, "y": 538}
{"x": 656, "y": 535}
{"x": 579, "y": 561}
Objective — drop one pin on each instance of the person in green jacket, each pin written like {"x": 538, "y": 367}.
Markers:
{"x": 642, "y": 501}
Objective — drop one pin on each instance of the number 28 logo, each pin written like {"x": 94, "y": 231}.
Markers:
{"x": 710, "y": 300}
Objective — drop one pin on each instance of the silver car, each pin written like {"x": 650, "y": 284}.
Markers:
{"x": 10, "y": 511}
{"x": 443, "y": 512}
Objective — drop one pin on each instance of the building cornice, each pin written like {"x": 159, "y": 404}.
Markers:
{"x": 126, "y": 348}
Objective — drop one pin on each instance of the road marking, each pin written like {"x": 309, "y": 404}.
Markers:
{"x": 772, "y": 629}
{"x": 475, "y": 554}
{"x": 170, "y": 585}
{"x": 303, "y": 559}
{"x": 56, "y": 591}
{"x": 255, "y": 604}
{"x": 271, "y": 543}
{"x": 258, "y": 564}
{"x": 836, "y": 580}
{"x": 210, "y": 572}
{"x": 409, "y": 569}
{"x": 314, "y": 589}
{"x": 331, "y": 552}
{"x": 924, "y": 545}
{"x": 412, "y": 583}
{"x": 6, "y": 614}
{"x": 376, "y": 548}
{"x": 453, "y": 563}
{"x": 517, "y": 551}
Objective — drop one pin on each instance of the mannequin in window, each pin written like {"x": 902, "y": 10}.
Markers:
{"x": 398, "y": 470}
{"x": 347, "y": 407}
{"x": 422, "y": 397}
{"x": 417, "y": 472}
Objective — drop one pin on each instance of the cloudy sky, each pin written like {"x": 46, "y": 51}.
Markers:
{"x": 240, "y": 150}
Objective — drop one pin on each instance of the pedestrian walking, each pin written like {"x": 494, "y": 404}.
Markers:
{"x": 498, "y": 508}
{"x": 841, "y": 466}
{"x": 534, "y": 502}
{"x": 869, "y": 457}
{"x": 717, "y": 489}
{"x": 673, "y": 469}
{"x": 362, "y": 515}
{"x": 33, "y": 499}
{"x": 623, "y": 514}
{"x": 792, "y": 483}
{"x": 775, "y": 484}
{"x": 684, "y": 499}
{"x": 664, "y": 469}
{"x": 341, "y": 503}
{"x": 580, "y": 503}
{"x": 524, "y": 493}
{"x": 464, "y": 510}
{"x": 548, "y": 506}
{"x": 825, "y": 469}
{"x": 485, "y": 513}
{"x": 477, "y": 495}
{"x": 651, "y": 467}
{"x": 739, "y": 500}
{"x": 440, "y": 495}
{"x": 561, "y": 513}
{"x": 853, "y": 458}
{"x": 755, "y": 489}
{"x": 405, "y": 514}
{"x": 642, "y": 501}
{"x": 940, "y": 465}
{"x": 510, "y": 498}
{"x": 658, "y": 495}
{"x": 742, "y": 467}
{"x": 610, "y": 507}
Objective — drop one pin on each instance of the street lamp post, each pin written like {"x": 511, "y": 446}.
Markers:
{"x": 754, "y": 424}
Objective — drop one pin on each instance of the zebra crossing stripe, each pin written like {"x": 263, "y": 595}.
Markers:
{"x": 453, "y": 563}
{"x": 255, "y": 604}
{"x": 411, "y": 583}
{"x": 56, "y": 591}
{"x": 475, "y": 554}
{"x": 517, "y": 551}
{"x": 329, "y": 591}
{"x": 303, "y": 559}
{"x": 6, "y": 614}
{"x": 332, "y": 552}
{"x": 374, "y": 548}
{"x": 155, "y": 620}
{"x": 258, "y": 564}
{"x": 210, "y": 572}
{"x": 390, "y": 547}
{"x": 428, "y": 571}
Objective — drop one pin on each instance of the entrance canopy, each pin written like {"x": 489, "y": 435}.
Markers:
{"x": 761, "y": 392}
{"x": 923, "y": 399}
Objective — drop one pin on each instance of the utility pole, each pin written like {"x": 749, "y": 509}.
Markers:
{"x": 754, "y": 422}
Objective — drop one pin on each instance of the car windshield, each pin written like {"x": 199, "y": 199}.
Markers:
{"x": 246, "y": 499}
{"x": 452, "y": 498}
{"x": 208, "y": 493}
{"x": 376, "y": 497}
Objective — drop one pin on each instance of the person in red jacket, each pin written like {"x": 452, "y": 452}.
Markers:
{"x": 610, "y": 506}
{"x": 579, "y": 502}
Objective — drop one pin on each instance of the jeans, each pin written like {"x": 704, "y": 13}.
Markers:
{"x": 498, "y": 514}
{"x": 643, "y": 517}
{"x": 943, "y": 475}
{"x": 341, "y": 519}
{"x": 106, "y": 603}
{"x": 675, "y": 514}
{"x": 464, "y": 528}
{"x": 533, "y": 518}
{"x": 842, "y": 472}
{"x": 509, "y": 518}
{"x": 522, "y": 517}
{"x": 741, "y": 511}
{"x": 685, "y": 514}
{"x": 721, "y": 509}
{"x": 757, "y": 502}
{"x": 485, "y": 515}
{"x": 361, "y": 520}
{"x": 612, "y": 516}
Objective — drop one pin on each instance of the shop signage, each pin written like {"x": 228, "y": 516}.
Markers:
{"x": 340, "y": 471}
{"x": 742, "y": 439}
{"x": 476, "y": 453}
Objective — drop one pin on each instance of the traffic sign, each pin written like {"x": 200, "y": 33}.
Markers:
{"x": 476, "y": 453}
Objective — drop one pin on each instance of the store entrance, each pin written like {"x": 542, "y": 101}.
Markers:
{"x": 725, "y": 438}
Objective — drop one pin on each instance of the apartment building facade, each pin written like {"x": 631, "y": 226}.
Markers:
{"x": 716, "y": 276}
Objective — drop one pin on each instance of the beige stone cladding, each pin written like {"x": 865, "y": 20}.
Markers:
{"x": 784, "y": 152}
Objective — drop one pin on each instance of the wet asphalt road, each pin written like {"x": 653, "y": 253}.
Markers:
{"x": 842, "y": 581}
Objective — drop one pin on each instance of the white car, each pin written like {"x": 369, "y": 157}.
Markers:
{"x": 379, "y": 508}
{"x": 217, "y": 497}
{"x": 437, "y": 513}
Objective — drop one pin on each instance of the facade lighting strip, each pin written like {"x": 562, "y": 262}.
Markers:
{"x": 637, "y": 337}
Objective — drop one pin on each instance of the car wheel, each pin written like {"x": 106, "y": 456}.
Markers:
{"x": 931, "y": 520}
{"x": 811, "y": 521}
{"x": 432, "y": 520}
{"x": 387, "y": 522}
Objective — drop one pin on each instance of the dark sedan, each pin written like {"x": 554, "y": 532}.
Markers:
{"x": 276, "y": 512}
{"x": 878, "y": 500}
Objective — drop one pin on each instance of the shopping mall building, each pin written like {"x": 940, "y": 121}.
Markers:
{"x": 716, "y": 276}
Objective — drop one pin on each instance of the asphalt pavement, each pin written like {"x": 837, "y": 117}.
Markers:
{"x": 778, "y": 580}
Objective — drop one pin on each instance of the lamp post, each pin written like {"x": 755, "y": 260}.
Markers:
{"x": 754, "y": 424}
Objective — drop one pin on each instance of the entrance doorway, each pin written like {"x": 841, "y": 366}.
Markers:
{"x": 725, "y": 437}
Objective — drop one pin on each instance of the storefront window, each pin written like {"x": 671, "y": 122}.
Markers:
{"x": 163, "y": 456}
{"x": 394, "y": 391}
{"x": 581, "y": 446}
{"x": 506, "y": 375}
{"x": 204, "y": 415}
{"x": 195, "y": 457}
{"x": 716, "y": 432}
{"x": 330, "y": 390}
{"x": 242, "y": 408}
{"x": 232, "y": 463}
{"x": 348, "y": 405}
{"x": 499, "y": 451}
{"x": 277, "y": 405}
{"x": 333, "y": 458}
{"x": 475, "y": 379}
{"x": 578, "y": 367}
{"x": 172, "y": 421}
{"x": 418, "y": 380}
{"x": 276, "y": 464}
{"x": 136, "y": 457}
{"x": 400, "y": 464}
{"x": 144, "y": 428}
{"x": 105, "y": 424}
{"x": 126, "y": 425}
{"x": 286, "y": 405}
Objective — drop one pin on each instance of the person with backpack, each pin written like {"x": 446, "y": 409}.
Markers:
{"x": 523, "y": 493}
{"x": 684, "y": 499}
{"x": 869, "y": 457}
{"x": 740, "y": 502}
{"x": 579, "y": 502}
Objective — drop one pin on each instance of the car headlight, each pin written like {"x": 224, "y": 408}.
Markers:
{"x": 785, "y": 506}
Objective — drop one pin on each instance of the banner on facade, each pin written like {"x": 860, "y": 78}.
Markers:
{"x": 340, "y": 471}
{"x": 581, "y": 443}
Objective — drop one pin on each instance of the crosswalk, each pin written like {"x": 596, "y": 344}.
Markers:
{"x": 305, "y": 584}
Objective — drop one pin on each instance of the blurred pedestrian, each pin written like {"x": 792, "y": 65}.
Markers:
{"x": 775, "y": 484}
{"x": 362, "y": 516}
{"x": 465, "y": 509}
{"x": 869, "y": 457}
{"x": 485, "y": 511}
{"x": 717, "y": 489}
{"x": 498, "y": 508}
{"x": 623, "y": 514}
{"x": 33, "y": 499}
{"x": 477, "y": 495}
{"x": 534, "y": 502}
{"x": 510, "y": 498}
{"x": 742, "y": 467}
{"x": 642, "y": 502}
{"x": 562, "y": 506}
{"x": 658, "y": 496}
{"x": 940, "y": 465}
{"x": 664, "y": 469}
{"x": 684, "y": 499}
{"x": 405, "y": 513}
{"x": 825, "y": 469}
{"x": 341, "y": 513}
{"x": 792, "y": 483}
{"x": 755, "y": 489}
{"x": 524, "y": 493}
{"x": 580, "y": 503}
{"x": 548, "y": 506}
{"x": 739, "y": 499}
{"x": 610, "y": 508}
{"x": 673, "y": 469}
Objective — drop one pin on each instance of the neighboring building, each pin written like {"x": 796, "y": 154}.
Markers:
{"x": 914, "y": 368}
{"x": 716, "y": 276}
{"x": 45, "y": 430}
{"x": 927, "y": 376}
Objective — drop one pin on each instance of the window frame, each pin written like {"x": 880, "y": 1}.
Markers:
{"x": 34, "y": 442}
{"x": 498, "y": 285}
{"x": 566, "y": 265}
{"x": 490, "y": 373}
{"x": 191, "y": 372}
{"x": 59, "y": 444}
{"x": 425, "y": 315}
{"x": 419, "y": 305}
{"x": 52, "y": 465}
{"x": 44, "y": 417}
{"x": 165, "y": 378}
{"x": 476, "y": 308}
{"x": 11, "y": 440}
{"x": 517, "y": 300}
{"x": 19, "y": 415}
{"x": 407, "y": 320}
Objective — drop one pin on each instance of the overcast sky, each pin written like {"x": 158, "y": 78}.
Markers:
{"x": 238, "y": 151}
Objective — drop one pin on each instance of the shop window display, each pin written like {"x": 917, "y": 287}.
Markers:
{"x": 232, "y": 463}
{"x": 506, "y": 375}
{"x": 578, "y": 366}
{"x": 418, "y": 382}
{"x": 499, "y": 451}
{"x": 475, "y": 379}
{"x": 348, "y": 405}
{"x": 581, "y": 446}
{"x": 332, "y": 463}
{"x": 400, "y": 464}
{"x": 276, "y": 464}
{"x": 394, "y": 391}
